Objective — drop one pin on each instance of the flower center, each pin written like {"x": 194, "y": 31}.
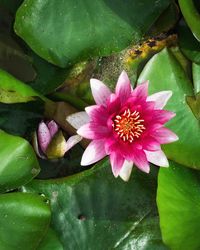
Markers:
{"x": 128, "y": 125}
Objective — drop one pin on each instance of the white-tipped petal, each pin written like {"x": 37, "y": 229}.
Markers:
{"x": 100, "y": 91}
{"x": 123, "y": 87}
{"x": 164, "y": 135}
{"x": 157, "y": 157}
{"x": 94, "y": 152}
{"x": 90, "y": 109}
{"x": 160, "y": 98}
{"x": 72, "y": 141}
{"x": 116, "y": 161}
{"x": 78, "y": 119}
{"x": 126, "y": 170}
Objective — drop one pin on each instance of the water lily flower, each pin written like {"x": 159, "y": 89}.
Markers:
{"x": 127, "y": 125}
{"x": 49, "y": 141}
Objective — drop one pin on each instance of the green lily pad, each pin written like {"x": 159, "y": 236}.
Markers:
{"x": 73, "y": 30}
{"x": 93, "y": 206}
{"x": 188, "y": 44}
{"x": 178, "y": 201}
{"x": 50, "y": 241}
{"x": 15, "y": 91}
{"x": 24, "y": 220}
{"x": 191, "y": 15}
{"x": 165, "y": 73}
{"x": 18, "y": 162}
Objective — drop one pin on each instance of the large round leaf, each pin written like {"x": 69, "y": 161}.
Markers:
{"x": 24, "y": 220}
{"x": 165, "y": 73}
{"x": 18, "y": 162}
{"x": 64, "y": 31}
{"x": 93, "y": 208}
{"x": 178, "y": 203}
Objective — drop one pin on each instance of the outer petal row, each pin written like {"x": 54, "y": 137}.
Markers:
{"x": 100, "y": 91}
{"x": 78, "y": 119}
{"x": 94, "y": 152}
{"x": 161, "y": 98}
{"x": 123, "y": 87}
{"x": 164, "y": 135}
{"x": 157, "y": 157}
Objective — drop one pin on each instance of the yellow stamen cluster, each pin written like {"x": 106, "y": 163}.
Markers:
{"x": 128, "y": 125}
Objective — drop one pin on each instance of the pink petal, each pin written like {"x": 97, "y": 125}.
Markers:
{"x": 77, "y": 120}
{"x": 157, "y": 157}
{"x": 162, "y": 116}
{"x": 140, "y": 160}
{"x": 53, "y": 128}
{"x": 150, "y": 143}
{"x": 160, "y": 98}
{"x": 126, "y": 170}
{"x": 113, "y": 104}
{"x": 141, "y": 91}
{"x": 123, "y": 87}
{"x": 73, "y": 140}
{"x": 90, "y": 110}
{"x": 94, "y": 152}
{"x": 116, "y": 161}
{"x": 44, "y": 136}
{"x": 98, "y": 114}
{"x": 100, "y": 91}
{"x": 164, "y": 135}
{"x": 93, "y": 131}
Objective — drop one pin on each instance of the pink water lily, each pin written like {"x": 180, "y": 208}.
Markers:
{"x": 128, "y": 126}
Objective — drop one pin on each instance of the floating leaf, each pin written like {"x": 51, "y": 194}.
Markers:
{"x": 178, "y": 201}
{"x": 165, "y": 73}
{"x": 25, "y": 217}
{"x": 73, "y": 30}
{"x": 92, "y": 205}
{"x": 18, "y": 162}
{"x": 50, "y": 242}
{"x": 191, "y": 16}
{"x": 188, "y": 44}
